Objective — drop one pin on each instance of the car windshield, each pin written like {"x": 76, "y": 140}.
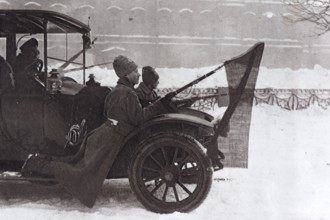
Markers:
{"x": 65, "y": 51}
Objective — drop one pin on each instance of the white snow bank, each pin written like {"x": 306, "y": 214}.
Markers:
{"x": 316, "y": 78}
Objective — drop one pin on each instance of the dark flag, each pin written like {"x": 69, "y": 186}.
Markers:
{"x": 232, "y": 132}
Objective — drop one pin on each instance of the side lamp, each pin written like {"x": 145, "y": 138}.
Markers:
{"x": 53, "y": 83}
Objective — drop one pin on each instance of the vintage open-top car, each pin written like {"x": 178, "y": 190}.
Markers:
{"x": 165, "y": 159}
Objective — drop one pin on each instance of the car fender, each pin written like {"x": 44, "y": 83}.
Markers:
{"x": 177, "y": 122}
{"x": 196, "y": 127}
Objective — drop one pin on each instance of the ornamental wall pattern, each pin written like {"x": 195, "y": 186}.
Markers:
{"x": 287, "y": 99}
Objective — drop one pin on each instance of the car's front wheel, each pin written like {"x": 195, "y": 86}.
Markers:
{"x": 171, "y": 172}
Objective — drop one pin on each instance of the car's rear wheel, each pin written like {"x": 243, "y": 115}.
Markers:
{"x": 171, "y": 172}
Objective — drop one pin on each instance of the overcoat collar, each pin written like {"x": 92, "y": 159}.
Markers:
{"x": 145, "y": 88}
{"x": 124, "y": 81}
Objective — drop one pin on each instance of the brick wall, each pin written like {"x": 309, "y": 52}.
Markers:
{"x": 190, "y": 33}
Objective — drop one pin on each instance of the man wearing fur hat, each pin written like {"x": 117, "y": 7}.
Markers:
{"x": 147, "y": 94}
{"x": 83, "y": 176}
{"x": 146, "y": 89}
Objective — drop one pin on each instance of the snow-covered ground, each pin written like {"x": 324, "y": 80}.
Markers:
{"x": 288, "y": 178}
{"x": 288, "y": 175}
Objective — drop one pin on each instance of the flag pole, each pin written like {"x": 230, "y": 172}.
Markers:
{"x": 198, "y": 79}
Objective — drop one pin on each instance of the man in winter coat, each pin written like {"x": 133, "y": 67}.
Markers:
{"x": 146, "y": 89}
{"x": 147, "y": 94}
{"x": 84, "y": 179}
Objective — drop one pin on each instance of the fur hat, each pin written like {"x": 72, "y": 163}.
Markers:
{"x": 30, "y": 44}
{"x": 149, "y": 75}
{"x": 123, "y": 66}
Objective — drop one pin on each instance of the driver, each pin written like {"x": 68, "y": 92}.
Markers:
{"x": 26, "y": 63}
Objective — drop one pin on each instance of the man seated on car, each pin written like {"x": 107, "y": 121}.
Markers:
{"x": 27, "y": 64}
{"x": 146, "y": 89}
{"x": 84, "y": 178}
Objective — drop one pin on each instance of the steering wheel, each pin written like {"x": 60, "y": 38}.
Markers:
{"x": 34, "y": 70}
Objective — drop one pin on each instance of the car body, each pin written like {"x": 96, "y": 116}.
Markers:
{"x": 55, "y": 114}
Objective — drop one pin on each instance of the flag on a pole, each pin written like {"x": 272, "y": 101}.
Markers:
{"x": 232, "y": 132}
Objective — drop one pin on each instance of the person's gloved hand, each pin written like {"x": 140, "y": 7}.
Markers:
{"x": 167, "y": 98}
{"x": 188, "y": 102}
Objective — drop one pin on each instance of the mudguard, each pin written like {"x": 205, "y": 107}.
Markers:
{"x": 196, "y": 127}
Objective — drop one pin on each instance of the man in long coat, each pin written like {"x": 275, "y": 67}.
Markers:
{"x": 84, "y": 179}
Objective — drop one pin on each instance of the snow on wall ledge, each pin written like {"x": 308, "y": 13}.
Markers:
{"x": 281, "y": 78}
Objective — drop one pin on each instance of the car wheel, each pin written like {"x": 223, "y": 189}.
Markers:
{"x": 171, "y": 172}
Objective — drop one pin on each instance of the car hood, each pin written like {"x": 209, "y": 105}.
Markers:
{"x": 183, "y": 117}
{"x": 70, "y": 88}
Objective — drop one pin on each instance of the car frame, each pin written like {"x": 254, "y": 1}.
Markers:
{"x": 165, "y": 158}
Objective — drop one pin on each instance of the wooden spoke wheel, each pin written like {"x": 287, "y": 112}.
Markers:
{"x": 171, "y": 173}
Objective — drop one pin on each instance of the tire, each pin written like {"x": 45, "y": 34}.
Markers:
{"x": 171, "y": 172}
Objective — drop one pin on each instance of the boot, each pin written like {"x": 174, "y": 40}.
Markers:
{"x": 37, "y": 164}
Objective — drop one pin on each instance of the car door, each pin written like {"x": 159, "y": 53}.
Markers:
{"x": 22, "y": 121}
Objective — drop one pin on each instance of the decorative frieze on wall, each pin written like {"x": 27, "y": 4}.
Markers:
{"x": 289, "y": 99}
{"x": 293, "y": 99}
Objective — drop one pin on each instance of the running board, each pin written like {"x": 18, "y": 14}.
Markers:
{"x": 17, "y": 176}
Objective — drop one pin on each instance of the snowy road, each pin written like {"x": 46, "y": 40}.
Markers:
{"x": 288, "y": 178}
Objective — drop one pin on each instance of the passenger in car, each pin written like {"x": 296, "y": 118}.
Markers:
{"x": 83, "y": 176}
{"x": 6, "y": 76}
